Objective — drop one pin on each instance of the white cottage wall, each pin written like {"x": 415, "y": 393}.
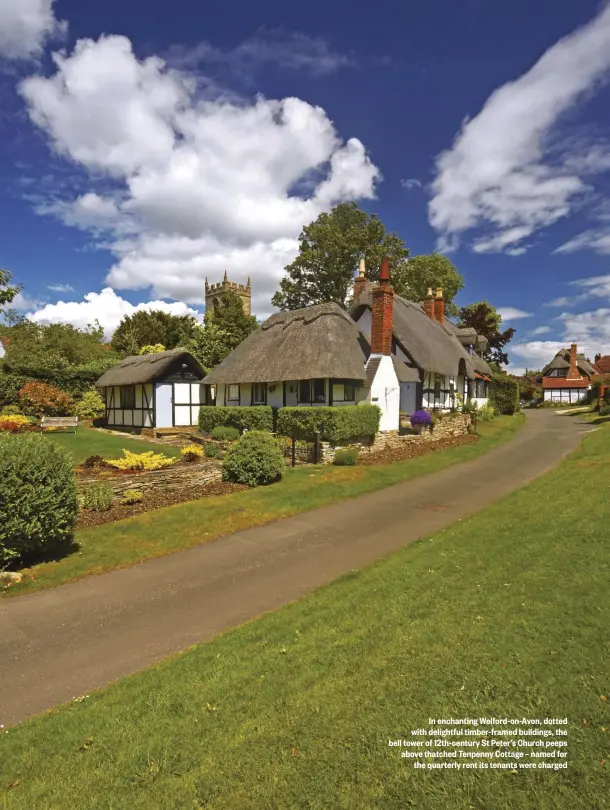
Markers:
{"x": 385, "y": 392}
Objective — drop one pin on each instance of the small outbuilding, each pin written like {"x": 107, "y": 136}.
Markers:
{"x": 154, "y": 390}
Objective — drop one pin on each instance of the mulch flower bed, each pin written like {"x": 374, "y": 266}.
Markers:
{"x": 413, "y": 449}
{"x": 154, "y": 499}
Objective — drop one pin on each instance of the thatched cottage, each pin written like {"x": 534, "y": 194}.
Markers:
{"x": 385, "y": 351}
{"x": 154, "y": 390}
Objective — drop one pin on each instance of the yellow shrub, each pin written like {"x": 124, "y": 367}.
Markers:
{"x": 192, "y": 452}
{"x": 16, "y": 419}
{"x": 141, "y": 461}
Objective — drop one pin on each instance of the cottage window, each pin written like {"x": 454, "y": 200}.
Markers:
{"x": 481, "y": 389}
{"x": 233, "y": 393}
{"x": 259, "y": 394}
{"x": 349, "y": 392}
{"x": 128, "y": 397}
{"x": 312, "y": 391}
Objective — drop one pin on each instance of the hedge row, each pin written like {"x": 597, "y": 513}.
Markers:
{"x": 333, "y": 424}
{"x": 504, "y": 394}
{"x": 253, "y": 417}
{"x": 11, "y": 382}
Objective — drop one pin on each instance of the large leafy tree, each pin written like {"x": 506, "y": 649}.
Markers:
{"x": 412, "y": 279}
{"x": 7, "y": 292}
{"x": 56, "y": 346}
{"x": 329, "y": 252}
{"x": 483, "y": 317}
{"x": 148, "y": 328}
{"x": 225, "y": 326}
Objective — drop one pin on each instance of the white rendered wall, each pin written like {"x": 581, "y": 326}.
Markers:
{"x": 385, "y": 392}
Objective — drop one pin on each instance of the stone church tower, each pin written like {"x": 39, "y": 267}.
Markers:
{"x": 214, "y": 292}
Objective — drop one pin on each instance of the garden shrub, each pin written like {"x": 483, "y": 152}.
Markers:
{"x": 98, "y": 497}
{"x": 131, "y": 496}
{"x": 504, "y": 394}
{"x": 41, "y": 399}
{"x": 254, "y": 417}
{"x": 346, "y": 458}
{"x": 91, "y": 406}
{"x": 486, "y": 413}
{"x": 11, "y": 410}
{"x": 141, "y": 461}
{"x": 225, "y": 434}
{"x": 38, "y": 498}
{"x": 14, "y": 424}
{"x": 333, "y": 424}
{"x": 604, "y": 408}
{"x": 255, "y": 459}
{"x": 212, "y": 450}
{"x": 421, "y": 419}
{"x": 192, "y": 452}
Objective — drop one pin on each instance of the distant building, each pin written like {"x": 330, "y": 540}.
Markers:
{"x": 602, "y": 364}
{"x": 215, "y": 292}
{"x": 567, "y": 378}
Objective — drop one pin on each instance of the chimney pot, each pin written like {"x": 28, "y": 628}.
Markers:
{"x": 429, "y": 304}
{"x": 361, "y": 282}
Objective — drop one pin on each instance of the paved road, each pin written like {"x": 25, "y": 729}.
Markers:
{"x": 64, "y": 642}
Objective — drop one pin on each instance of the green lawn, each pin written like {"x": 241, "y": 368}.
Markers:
{"x": 155, "y": 533}
{"x": 505, "y": 615}
{"x": 87, "y": 442}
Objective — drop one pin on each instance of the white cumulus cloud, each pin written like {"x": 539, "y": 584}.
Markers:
{"x": 106, "y": 307}
{"x": 512, "y": 313}
{"x": 198, "y": 186}
{"x": 502, "y": 171}
{"x": 25, "y": 25}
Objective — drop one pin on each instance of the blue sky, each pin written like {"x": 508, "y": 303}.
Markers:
{"x": 145, "y": 146}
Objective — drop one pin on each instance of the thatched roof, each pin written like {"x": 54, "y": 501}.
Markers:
{"x": 432, "y": 347}
{"x": 148, "y": 367}
{"x": 562, "y": 360}
{"x": 317, "y": 341}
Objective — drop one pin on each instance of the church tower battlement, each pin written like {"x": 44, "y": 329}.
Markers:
{"x": 214, "y": 292}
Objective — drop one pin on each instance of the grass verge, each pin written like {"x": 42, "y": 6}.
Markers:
{"x": 504, "y": 614}
{"x": 170, "y": 529}
{"x": 88, "y": 442}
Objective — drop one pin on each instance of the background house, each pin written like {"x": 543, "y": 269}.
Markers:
{"x": 567, "y": 377}
{"x": 602, "y": 364}
{"x": 154, "y": 390}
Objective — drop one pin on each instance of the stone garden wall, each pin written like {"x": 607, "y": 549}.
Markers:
{"x": 446, "y": 427}
{"x": 178, "y": 477}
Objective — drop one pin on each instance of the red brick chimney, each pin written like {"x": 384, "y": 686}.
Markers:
{"x": 598, "y": 357}
{"x": 361, "y": 282}
{"x": 383, "y": 303}
{"x": 439, "y": 306}
{"x": 573, "y": 372}
{"x": 429, "y": 304}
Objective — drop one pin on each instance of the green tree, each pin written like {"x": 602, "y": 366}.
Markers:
{"x": 413, "y": 278}
{"x": 149, "y": 327}
{"x": 56, "y": 346}
{"x": 483, "y": 317}
{"x": 329, "y": 253}
{"x": 225, "y": 326}
{"x": 7, "y": 293}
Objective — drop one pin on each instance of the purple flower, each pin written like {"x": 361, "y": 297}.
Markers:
{"x": 420, "y": 418}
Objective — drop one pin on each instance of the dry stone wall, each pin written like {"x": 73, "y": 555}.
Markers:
{"x": 179, "y": 477}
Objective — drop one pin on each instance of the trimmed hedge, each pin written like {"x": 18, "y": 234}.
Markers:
{"x": 38, "y": 497}
{"x": 504, "y": 394}
{"x": 334, "y": 424}
{"x": 252, "y": 417}
{"x": 255, "y": 459}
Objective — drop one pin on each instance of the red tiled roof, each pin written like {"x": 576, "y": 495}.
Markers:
{"x": 562, "y": 382}
{"x": 482, "y": 376}
{"x": 603, "y": 365}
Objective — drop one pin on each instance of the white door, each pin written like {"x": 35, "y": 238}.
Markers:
{"x": 164, "y": 400}
{"x": 291, "y": 393}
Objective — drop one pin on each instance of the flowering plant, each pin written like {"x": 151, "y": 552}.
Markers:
{"x": 141, "y": 461}
{"x": 421, "y": 418}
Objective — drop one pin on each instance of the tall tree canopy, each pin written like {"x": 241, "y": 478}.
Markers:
{"x": 225, "y": 326}
{"x": 58, "y": 346}
{"x": 412, "y": 279}
{"x": 7, "y": 292}
{"x": 483, "y": 317}
{"x": 147, "y": 328}
{"x": 329, "y": 253}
